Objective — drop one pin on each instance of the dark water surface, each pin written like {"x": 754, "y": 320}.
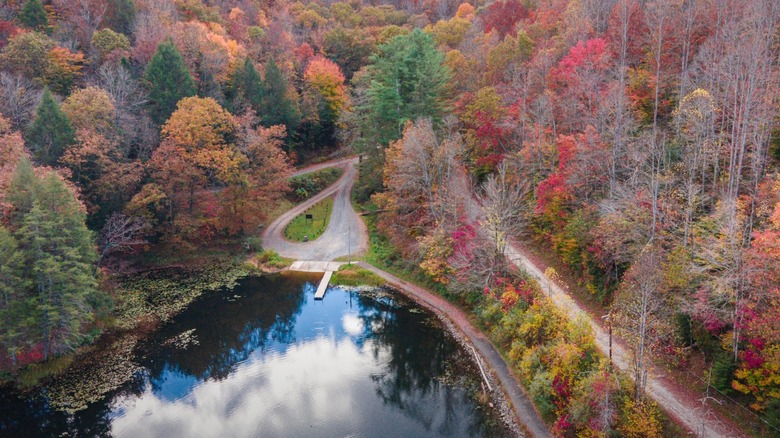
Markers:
{"x": 267, "y": 360}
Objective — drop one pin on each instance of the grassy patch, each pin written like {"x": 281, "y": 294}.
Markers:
{"x": 300, "y": 227}
{"x": 303, "y": 187}
{"x": 270, "y": 260}
{"x": 353, "y": 275}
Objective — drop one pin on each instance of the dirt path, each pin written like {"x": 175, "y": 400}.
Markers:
{"x": 315, "y": 167}
{"x": 690, "y": 412}
{"x": 346, "y": 233}
{"x": 523, "y": 408}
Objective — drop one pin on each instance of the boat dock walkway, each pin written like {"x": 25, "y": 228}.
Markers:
{"x": 312, "y": 266}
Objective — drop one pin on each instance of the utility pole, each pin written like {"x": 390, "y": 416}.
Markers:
{"x": 349, "y": 245}
{"x": 608, "y": 319}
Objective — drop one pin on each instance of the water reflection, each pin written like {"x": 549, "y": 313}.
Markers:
{"x": 266, "y": 359}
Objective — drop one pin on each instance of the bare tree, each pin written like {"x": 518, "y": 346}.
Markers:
{"x": 121, "y": 233}
{"x": 696, "y": 121}
{"x": 129, "y": 99}
{"x": 503, "y": 213}
{"x": 638, "y": 313}
{"x": 19, "y": 97}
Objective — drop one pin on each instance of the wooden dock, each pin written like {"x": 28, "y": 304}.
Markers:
{"x": 313, "y": 266}
{"x": 320, "y": 294}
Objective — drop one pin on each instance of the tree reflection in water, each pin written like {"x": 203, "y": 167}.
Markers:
{"x": 267, "y": 359}
{"x": 418, "y": 355}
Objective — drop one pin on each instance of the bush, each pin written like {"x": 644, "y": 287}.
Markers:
{"x": 772, "y": 413}
{"x": 253, "y": 243}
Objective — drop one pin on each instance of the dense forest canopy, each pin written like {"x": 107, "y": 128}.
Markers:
{"x": 637, "y": 140}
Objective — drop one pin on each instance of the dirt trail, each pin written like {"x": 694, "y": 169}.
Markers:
{"x": 695, "y": 416}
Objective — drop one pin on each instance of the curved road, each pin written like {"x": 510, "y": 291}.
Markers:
{"x": 346, "y": 233}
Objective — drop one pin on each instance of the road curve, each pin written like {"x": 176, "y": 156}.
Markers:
{"x": 346, "y": 233}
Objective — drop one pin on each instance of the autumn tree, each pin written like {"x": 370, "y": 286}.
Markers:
{"x": 51, "y": 132}
{"x": 28, "y": 54}
{"x": 325, "y": 85}
{"x": 503, "y": 16}
{"x": 168, "y": 81}
{"x": 244, "y": 204}
{"x": 198, "y": 150}
{"x": 106, "y": 41}
{"x": 91, "y": 109}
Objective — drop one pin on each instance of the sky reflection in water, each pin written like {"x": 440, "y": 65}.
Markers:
{"x": 266, "y": 359}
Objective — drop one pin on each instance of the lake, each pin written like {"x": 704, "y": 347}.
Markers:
{"x": 266, "y": 359}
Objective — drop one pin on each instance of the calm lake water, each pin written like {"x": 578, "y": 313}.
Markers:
{"x": 267, "y": 360}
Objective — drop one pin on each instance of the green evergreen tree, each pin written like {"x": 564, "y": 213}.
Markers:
{"x": 50, "y": 132}
{"x": 408, "y": 81}
{"x": 246, "y": 87}
{"x": 20, "y": 192}
{"x": 277, "y": 107}
{"x": 33, "y": 16}
{"x": 121, "y": 16}
{"x": 14, "y": 314}
{"x": 59, "y": 257}
{"x": 168, "y": 80}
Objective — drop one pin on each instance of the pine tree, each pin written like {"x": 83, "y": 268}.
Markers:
{"x": 278, "y": 108}
{"x": 51, "y": 132}
{"x": 408, "y": 82}
{"x": 20, "y": 192}
{"x": 59, "y": 256}
{"x": 168, "y": 80}
{"x": 13, "y": 312}
{"x": 33, "y": 16}
{"x": 121, "y": 16}
{"x": 246, "y": 87}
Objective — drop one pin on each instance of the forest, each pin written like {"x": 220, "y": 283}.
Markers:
{"x": 634, "y": 142}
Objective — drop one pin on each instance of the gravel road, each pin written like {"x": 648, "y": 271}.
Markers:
{"x": 346, "y": 233}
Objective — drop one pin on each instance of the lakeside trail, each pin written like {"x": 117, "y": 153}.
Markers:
{"x": 523, "y": 408}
